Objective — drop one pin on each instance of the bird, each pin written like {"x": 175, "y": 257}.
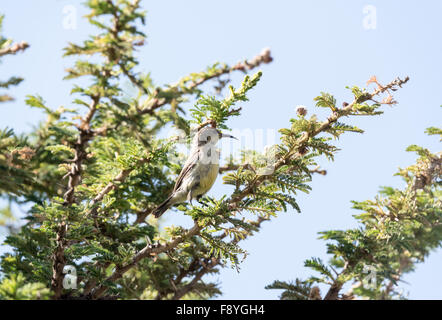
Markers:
{"x": 199, "y": 171}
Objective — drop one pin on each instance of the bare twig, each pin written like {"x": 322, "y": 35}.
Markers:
{"x": 16, "y": 47}
{"x": 156, "y": 101}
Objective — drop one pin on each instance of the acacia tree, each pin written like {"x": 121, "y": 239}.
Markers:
{"x": 96, "y": 170}
{"x": 398, "y": 229}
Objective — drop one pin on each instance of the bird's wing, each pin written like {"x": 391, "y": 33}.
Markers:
{"x": 188, "y": 166}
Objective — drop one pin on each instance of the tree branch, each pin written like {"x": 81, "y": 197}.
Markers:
{"x": 16, "y": 47}
{"x": 156, "y": 101}
{"x": 236, "y": 198}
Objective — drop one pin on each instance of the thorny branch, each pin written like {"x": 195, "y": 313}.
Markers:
{"x": 233, "y": 202}
{"x": 16, "y": 47}
{"x": 58, "y": 258}
{"x": 156, "y": 101}
{"x": 206, "y": 266}
{"x": 428, "y": 172}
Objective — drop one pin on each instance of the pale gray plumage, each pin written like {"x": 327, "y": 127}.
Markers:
{"x": 199, "y": 171}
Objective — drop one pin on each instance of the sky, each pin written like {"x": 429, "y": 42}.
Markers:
{"x": 317, "y": 46}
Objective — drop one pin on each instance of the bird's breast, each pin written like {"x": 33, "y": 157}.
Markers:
{"x": 208, "y": 176}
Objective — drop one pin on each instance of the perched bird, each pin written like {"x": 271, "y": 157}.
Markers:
{"x": 199, "y": 172}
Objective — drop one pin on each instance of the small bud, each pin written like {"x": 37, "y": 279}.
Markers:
{"x": 266, "y": 55}
{"x": 303, "y": 150}
{"x": 301, "y": 111}
{"x": 345, "y": 104}
{"x": 24, "y": 153}
{"x": 315, "y": 294}
{"x": 139, "y": 43}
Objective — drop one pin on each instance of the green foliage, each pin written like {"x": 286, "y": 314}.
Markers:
{"x": 14, "y": 152}
{"x": 93, "y": 173}
{"x": 397, "y": 230}
{"x": 14, "y": 157}
{"x": 326, "y": 100}
{"x": 7, "y": 47}
{"x": 434, "y": 131}
{"x": 15, "y": 288}
{"x": 6, "y": 215}
{"x": 292, "y": 291}
{"x": 208, "y": 108}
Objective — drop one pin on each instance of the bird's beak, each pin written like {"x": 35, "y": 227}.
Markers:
{"x": 228, "y": 136}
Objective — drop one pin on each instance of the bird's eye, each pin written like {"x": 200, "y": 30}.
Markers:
{"x": 209, "y": 138}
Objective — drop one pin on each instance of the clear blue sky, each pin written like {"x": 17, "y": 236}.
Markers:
{"x": 317, "y": 46}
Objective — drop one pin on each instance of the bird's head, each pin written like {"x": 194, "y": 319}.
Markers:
{"x": 209, "y": 135}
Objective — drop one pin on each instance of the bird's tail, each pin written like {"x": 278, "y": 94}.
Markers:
{"x": 158, "y": 211}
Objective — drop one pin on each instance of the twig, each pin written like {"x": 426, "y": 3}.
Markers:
{"x": 156, "y": 101}
{"x": 16, "y": 47}
{"x": 58, "y": 259}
